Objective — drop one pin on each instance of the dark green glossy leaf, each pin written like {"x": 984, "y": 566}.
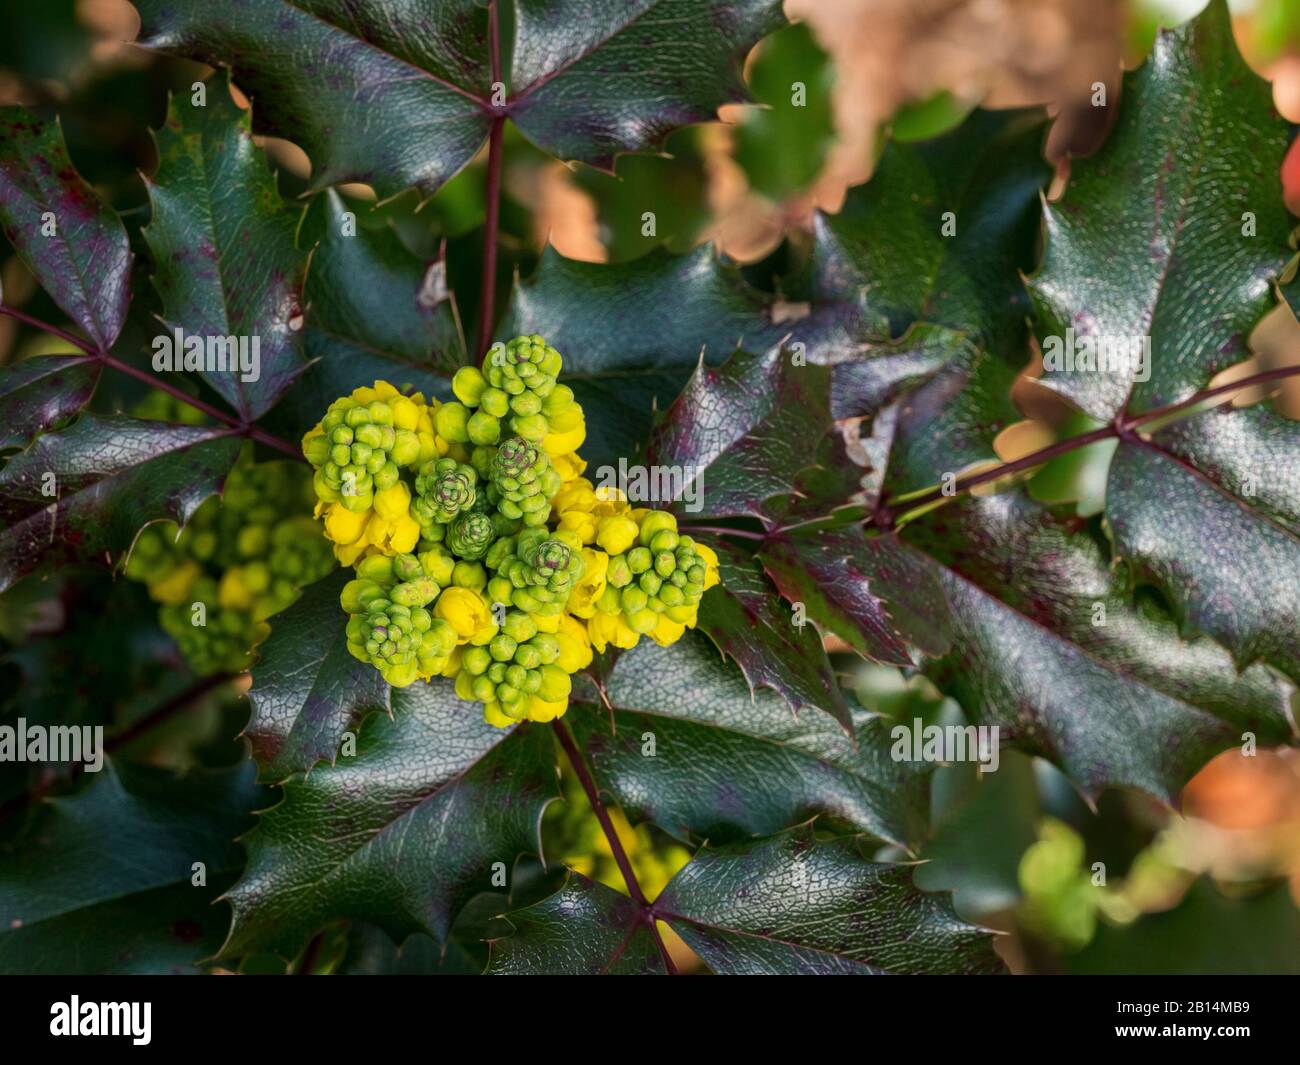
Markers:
{"x": 1150, "y": 238}
{"x": 41, "y": 393}
{"x": 72, "y": 242}
{"x": 885, "y": 262}
{"x": 658, "y": 311}
{"x": 1174, "y": 231}
{"x": 401, "y": 835}
{"x": 729, "y": 763}
{"x": 793, "y": 905}
{"x": 596, "y": 78}
{"x": 396, "y": 94}
{"x": 308, "y": 690}
{"x": 104, "y": 882}
{"x": 868, "y": 375}
{"x": 389, "y": 93}
{"x": 1230, "y": 570}
{"x": 869, "y": 590}
{"x": 225, "y": 263}
{"x": 1048, "y": 641}
{"x": 1049, "y": 646}
{"x": 632, "y": 333}
{"x": 374, "y": 312}
{"x": 750, "y": 624}
{"x": 107, "y": 478}
{"x": 584, "y": 929}
{"x": 742, "y": 431}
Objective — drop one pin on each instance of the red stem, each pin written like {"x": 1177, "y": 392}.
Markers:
{"x": 615, "y": 844}
{"x": 53, "y": 330}
{"x": 1120, "y": 427}
{"x": 153, "y": 381}
{"x": 491, "y": 223}
{"x": 718, "y": 530}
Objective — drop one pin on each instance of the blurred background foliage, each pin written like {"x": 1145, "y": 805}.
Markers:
{"x": 1128, "y": 886}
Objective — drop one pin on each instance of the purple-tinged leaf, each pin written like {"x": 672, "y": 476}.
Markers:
{"x": 741, "y": 432}
{"x": 597, "y": 78}
{"x": 83, "y": 494}
{"x": 308, "y": 690}
{"x": 750, "y": 624}
{"x": 71, "y": 241}
{"x": 225, "y": 261}
{"x": 732, "y": 763}
{"x": 792, "y": 904}
{"x": 871, "y": 591}
{"x": 584, "y": 929}
{"x": 42, "y": 392}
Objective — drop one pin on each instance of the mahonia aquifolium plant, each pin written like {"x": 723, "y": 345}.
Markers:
{"x": 245, "y": 556}
{"x": 481, "y": 553}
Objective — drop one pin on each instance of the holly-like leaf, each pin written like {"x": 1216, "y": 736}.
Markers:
{"x": 1174, "y": 229}
{"x": 1231, "y": 571}
{"x": 633, "y": 71}
{"x": 104, "y": 883}
{"x": 1208, "y": 508}
{"x": 631, "y": 333}
{"x": 401, "y": 325}
{"x": 1048, "y": 642}
{"x": 43, "y": 392}
{"x": 729, "y": 764}
{"x": 792, "y": 904}
{"x": 308, "y": 690}
{"x": 750, "y": 624}
{"x": 409, "y": 97}
{"x": 869, "y": 375}
{"x": 389, "y": 93}
{"x": 84, "y": 493}
{"x": 741, "y": 432}
{"x": 584, "y": 929}
{"x": 938, "y": 235}
{"x": 72, "y": 242}
{"x": 402, "y": 834}
{"x": 869, "y": 590}
{"x": 225, "y": 263}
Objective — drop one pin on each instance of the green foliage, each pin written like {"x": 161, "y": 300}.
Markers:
{"x": 826, "y": 432}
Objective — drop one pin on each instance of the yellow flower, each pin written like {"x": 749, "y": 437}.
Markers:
{"x": 344, "y": 526}
{"x": 581, "y": 524}
{"x": 578, "y": 494}
{"x": 173, "y": 588}
{"x": 569, "y": 466}
{"x": 616, "y": 534}
{"x": 582, "y": 600}
{"x": 604, "y": 629}
{"x": 710, "y": 564}
{"x": 494, "y": 716}
{"x": 439, "y": 564}
{"x": 547, "y": 622}
{"x": 406, "y": 414}
{"x": 666, "y": 631}
{"x": 233, "y": 593}
{"x": 397, "y": 537}
{"x": 465, "y": 610}
{"x": 562, "y": 443}
{"x": 575, "y": 645}
{"x": 452, "y": 666}
{"x": 541, "y": 710}
{"x": 393, "y": 503}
